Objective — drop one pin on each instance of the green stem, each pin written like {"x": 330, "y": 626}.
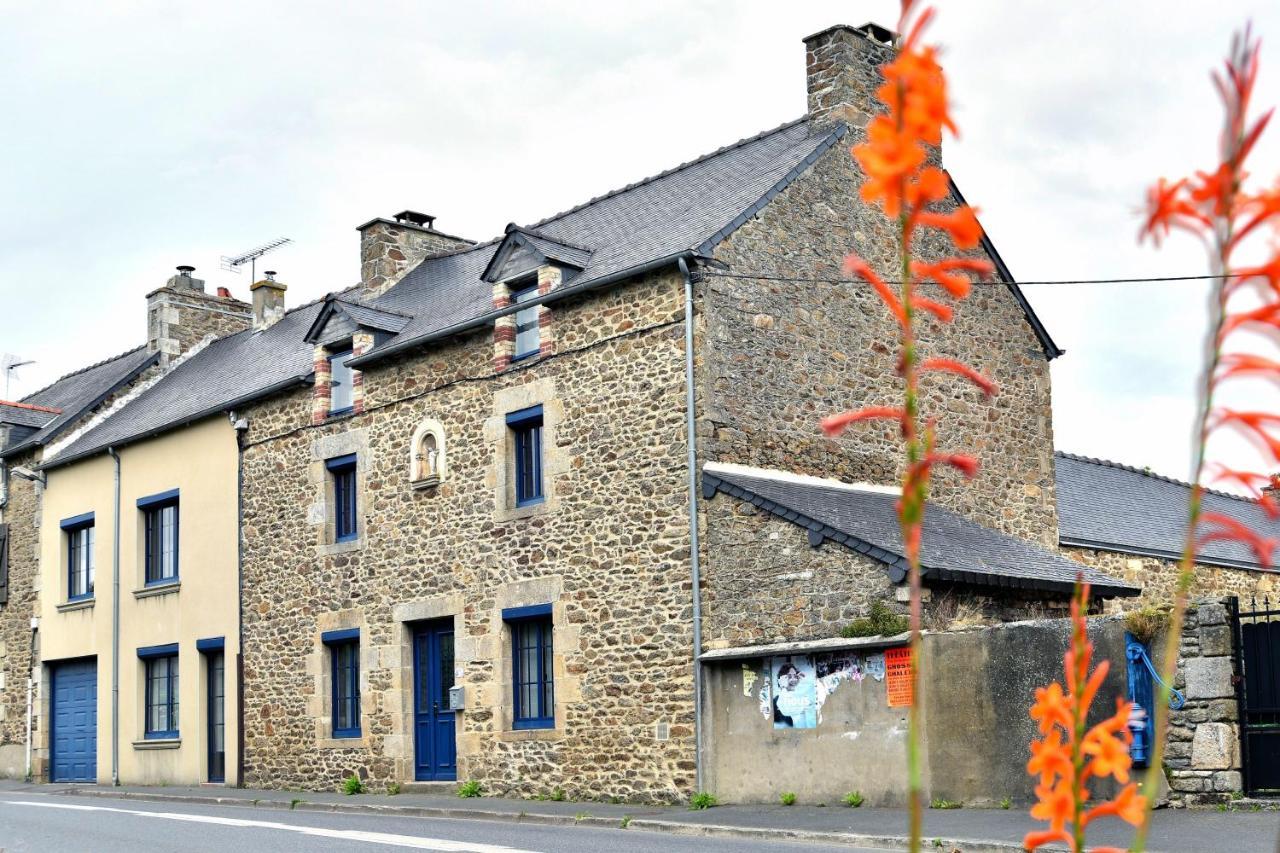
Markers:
{"x": 911, "y": 516}
{"x": 1187, "y": 566}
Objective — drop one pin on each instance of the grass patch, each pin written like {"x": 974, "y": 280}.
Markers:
{"x": 557, "y": 795}
{"x": 939, "y": 803}
{"x": 853, "y": 799}
{"x": 702, "y": 800}
{"x": 626, "y": 821}
{"x": 393, "y": 788}
{"x": 352, "y": 785}
{"x": 882, "y": 622}
{"x": 1006, "y": 804}
{"x": 1145, "y": 623}
{"x": 293, "y": 804}
{"x": 469, "y": 789}
{"x": 788, "y": 798}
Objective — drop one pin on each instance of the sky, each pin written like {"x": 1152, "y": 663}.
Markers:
{"x": 143, "y": 135}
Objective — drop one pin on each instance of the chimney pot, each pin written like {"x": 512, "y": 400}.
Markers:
{"x": 186, "y": 270}
{"x": 224, "y": 293}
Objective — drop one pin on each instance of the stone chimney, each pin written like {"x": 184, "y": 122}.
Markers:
{"x": 389, "y": 248}
{"x": 181, "y": 314}
{"x": 842, "y": 72}
{"x": 268, "y": 301}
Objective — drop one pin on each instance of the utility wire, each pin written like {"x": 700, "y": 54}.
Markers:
{"x": 706, "y": 273}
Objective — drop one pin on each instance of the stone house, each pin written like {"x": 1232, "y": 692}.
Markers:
{"x": 503, "y": 506}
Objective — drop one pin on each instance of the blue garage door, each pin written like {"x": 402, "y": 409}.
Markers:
{"x": 75, "y": 722}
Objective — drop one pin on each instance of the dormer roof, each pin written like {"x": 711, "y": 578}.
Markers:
{"x": 524, "y": 250}
{"x": 340, "y": 316}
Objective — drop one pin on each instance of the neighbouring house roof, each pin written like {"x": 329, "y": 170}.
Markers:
{"x": 75, "y": 394}
{"x": 1113, "y": 507}
{"x": 25, "y": 414}
{"x": 864, "y": 519}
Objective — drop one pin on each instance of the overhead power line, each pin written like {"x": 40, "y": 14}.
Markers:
{"x": 822, "y": 280}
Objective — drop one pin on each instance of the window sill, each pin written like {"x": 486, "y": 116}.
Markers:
{"x": 158, "y": 743}
{"x": 519, "y": 735}
{"x": 78, "y": 604}
{"x": 526, "y": 356}
{"x": 158, "y": 589}
{"x": 340, "y": 414}
{"x": 343, "y": 547}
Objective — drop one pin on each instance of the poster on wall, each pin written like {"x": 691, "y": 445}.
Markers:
{"x": 795, "y": 698}
{"x": 897, "y": 664}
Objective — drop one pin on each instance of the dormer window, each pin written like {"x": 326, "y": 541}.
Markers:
{"x": 341, "y": 386}
{"x": 528, "y": 334}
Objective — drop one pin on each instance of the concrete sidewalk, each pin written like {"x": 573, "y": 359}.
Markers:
{"x": 968, "y": 830}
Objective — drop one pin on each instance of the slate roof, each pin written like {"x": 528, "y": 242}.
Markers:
{"x": 225, "y": 374}
{"x": 864, "y": 519}
{"x": 1116, "y": 507}
{"x": 76, "y": 393}
{"x": 25, "y": 416}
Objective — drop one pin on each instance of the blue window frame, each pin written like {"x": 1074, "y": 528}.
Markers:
{"x": 532, "y": 667}
{"x": 526, "y": 429}
{"x": 160, "y": 536}
{"x": 528, "y": 334}
{"x": 341, "y": 384}
{"x": 80, "y": 568}
{"x": 161, "y": 664}
{"x": 343, "y": 471}
{"x": 344, "y": 656}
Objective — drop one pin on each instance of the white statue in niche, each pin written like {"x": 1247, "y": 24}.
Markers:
{"x": 430, "y": 459}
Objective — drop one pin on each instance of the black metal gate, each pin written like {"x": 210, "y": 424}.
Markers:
{"x": 1256, "y": 637}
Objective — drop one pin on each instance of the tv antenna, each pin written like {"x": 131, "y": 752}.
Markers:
{"x": 12, "y": 363}
{"x": 234, "y": 262}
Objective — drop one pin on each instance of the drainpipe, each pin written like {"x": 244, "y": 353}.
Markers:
{"x": 241, "y": 426}
{"x": 694, "y": 550}
{"x": 115, "y": 625}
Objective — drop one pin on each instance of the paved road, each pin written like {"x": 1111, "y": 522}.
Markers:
{"x": 41, "y": 824}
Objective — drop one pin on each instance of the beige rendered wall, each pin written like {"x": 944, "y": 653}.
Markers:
{"x": 200, "y": 461}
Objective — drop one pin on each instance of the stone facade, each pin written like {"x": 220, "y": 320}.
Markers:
{"x": 1202, "y": 755}
{"x": 390, "y": 248}
{"x": 608, "y": 549}
{"x": 779, "y": 355}
{"x": 1158, "y": 578}
{"x": 16, "y": 654}
{"x": 181, "y": 314}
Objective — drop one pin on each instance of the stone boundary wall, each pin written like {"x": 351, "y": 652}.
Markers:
{"x": 1202, "y": 758}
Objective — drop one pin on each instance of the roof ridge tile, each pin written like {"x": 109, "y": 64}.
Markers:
{"x": 1107, "y": 463}
{"x": 86, "y": 369}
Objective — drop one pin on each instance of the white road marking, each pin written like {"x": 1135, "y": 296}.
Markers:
{"x": 438, "y": 844}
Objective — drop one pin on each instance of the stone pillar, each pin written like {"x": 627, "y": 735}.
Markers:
{"x": 361, "y": 343}
{"x": 1203, "y": 751}
{"x": 322, "y": 390}
{"x": 268, "y": 301}
{"x": 504, "y": 330}
{"x": 390, "y": 248}
{"x": 842, "y": 73}
{"x": 549, "y": 278}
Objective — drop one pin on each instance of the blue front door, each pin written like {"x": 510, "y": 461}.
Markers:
{"x": 74, "y": 729}
{"x": 435, "y": 747}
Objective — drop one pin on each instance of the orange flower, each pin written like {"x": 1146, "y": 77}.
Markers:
{"x": 1049, "y": 758}
{"x": 950, "y": 366}
{"x": 962, "y": 225}
{"x": 833, "y": 425}
{"x": 1055, "y": 804}
{"x": 1051, "y": 707}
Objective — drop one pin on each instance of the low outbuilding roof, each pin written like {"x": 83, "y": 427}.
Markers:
{"x": 864, "y": 519}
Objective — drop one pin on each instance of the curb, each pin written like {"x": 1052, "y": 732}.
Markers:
{"x": 671, "y": 827}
